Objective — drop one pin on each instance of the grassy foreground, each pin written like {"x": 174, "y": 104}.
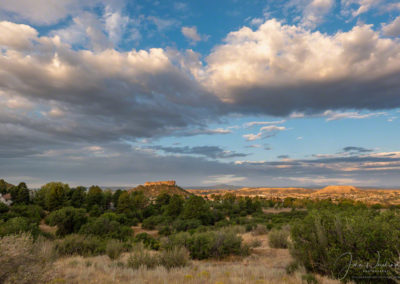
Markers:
{"x": 39, "y": 264}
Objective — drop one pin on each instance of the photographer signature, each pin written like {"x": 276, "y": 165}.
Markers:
{"x": 378, "y": 267}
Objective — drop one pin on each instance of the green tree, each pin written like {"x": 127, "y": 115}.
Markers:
{"x": 116, "y": 196}
{"x": 197, "y": 208}
{"x": 175, "y": 206}
{"x": 78, "y": 196}
{"x": 140, "y": 201}
{"x": 55, "y": 195}
{"x": 68, "y": 220}
{"x": 125, "y": 203}
{"x": 95, "y": 196}
{"x": 3, "y": 186}
{"x": 20, "y": 194}
{"x": 108, "y": 198}
{"x": 107, "y": 226}
{"x": 23, "y": 194}
{"x": 52, "y": 195}
{"x": 162, "y": 200}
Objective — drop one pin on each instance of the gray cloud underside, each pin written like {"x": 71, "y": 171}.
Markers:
{"x": 356, "y": 149}
{"x": 120, "y": 162}
{"x": 316, "y": 97}
{"x": 213, "y": 152}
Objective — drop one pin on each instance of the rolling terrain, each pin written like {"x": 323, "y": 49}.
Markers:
{"x": 334, "y": 192}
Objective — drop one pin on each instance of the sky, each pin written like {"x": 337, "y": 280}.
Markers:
{"x": 252, "y": 93}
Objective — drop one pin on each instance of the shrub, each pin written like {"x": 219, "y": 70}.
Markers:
{"x": 292, "y": 267}
{"x": 259, "y": 230}
{"x": 185, "y": 225}
{"x": 18, "y": 225}
{"x": 255, "y": 243}
{"x": 327, "y": 240}
{"x": 3, "y": 208}
{"x": 140, "y": 257}
{"x": 175, "y": 257}
{"x": 249, "y": 227}
{"x": 23, "y": 261}
{"x": 34, "y": 213}
{"x": 80, "y": 245}
{"x": 201, "y": 245}
{"x": 151, "y": 222}
{"x": 114, "y": 249}
{"x": 106, "y": 227}
{"x": 68, "y": 220}
{"x": 147, "y": 240}
{"x": 309, "y": 278}
{"x": 226, "y": 243}
{"x": 214, "y": 244}
{"x": 165, "y": 231}
{"x": 278, "y": 238}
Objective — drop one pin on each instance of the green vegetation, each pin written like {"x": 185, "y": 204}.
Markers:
{"x": 114, "y": 249}
{"x": 342, "y": 240}
{"x": 279, "y": 238}
{"x": 347, "y": 242}
{"x": 171, "y": 258}
{"x": 80, "y": 245}
{"x": 95, "y": 221}
{"x": 175, "y": 257}
{"x": 141, "y": 257}
{"x": 107, "y": 226}
{"x": 68, "y": 220}
{"x": 213, "y": 244}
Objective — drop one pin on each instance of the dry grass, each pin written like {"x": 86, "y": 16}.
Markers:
{"x": 138, "y": 230}
{"x": 47, "y": 229}
{"x": 25, "y": 261}
{"x": 102, "y": 270}
{"x": 276, "y": 210}
{"x": 265, "y": 265}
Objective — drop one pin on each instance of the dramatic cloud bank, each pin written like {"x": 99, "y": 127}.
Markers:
{"x": 279, "y": 69}
{"x": 74, "y": 97}
{"x": 50, "y": 92}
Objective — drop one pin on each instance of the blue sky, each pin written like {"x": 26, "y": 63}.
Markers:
{"x": 257, "y": 93}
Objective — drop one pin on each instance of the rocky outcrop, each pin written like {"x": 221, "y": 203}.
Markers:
{"x": 153, "y": 189}
{"x": 167, "y": 182}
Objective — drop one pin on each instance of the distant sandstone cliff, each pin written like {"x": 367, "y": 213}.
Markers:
{"x": 167, "y": 182}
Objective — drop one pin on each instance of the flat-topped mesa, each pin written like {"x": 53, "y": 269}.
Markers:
{"x": 167, "y": 182}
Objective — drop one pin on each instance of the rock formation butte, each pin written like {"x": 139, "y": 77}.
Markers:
{"x": 338, "y": 189}
{"x": 167, "y": 182}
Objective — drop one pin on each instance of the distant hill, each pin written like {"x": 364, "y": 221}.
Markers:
{"x": 276, "y": 190}
{"x": 154, "y": 190}
{"x": 338, "y": 189}
{"x": 217, "y": 186}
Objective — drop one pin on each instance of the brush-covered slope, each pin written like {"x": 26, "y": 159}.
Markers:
{"x": 155, "y": 190}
